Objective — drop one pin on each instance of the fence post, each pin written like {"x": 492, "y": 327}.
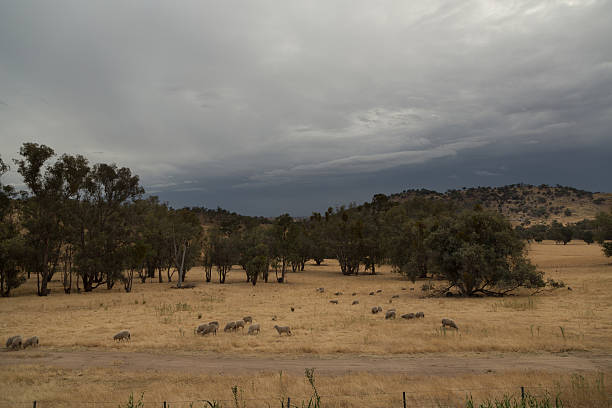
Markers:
{"x": 164, "y": 404}
{"x": 404, "y": 398}
{"x": 34, "y": 404}
{"x": 523, "y": 395}
{"x": 288, "y": 402}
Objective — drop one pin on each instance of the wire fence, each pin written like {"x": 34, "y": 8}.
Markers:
{"x": 381, "y": 399}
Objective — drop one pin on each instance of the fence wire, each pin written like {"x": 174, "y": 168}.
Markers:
{"x": 376, "y": 399}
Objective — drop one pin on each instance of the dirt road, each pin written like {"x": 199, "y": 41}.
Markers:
{"x": 431, "y": 364}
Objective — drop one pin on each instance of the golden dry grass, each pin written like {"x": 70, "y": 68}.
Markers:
{"x": 161, "y": 319}
{"x": 54, "y": 387}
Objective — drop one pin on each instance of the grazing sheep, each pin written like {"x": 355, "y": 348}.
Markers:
{"x": 122, "y": 335}
{"x": 239, "y": 324}
{"x": 449, "y": 323}
{"x": 390, "y": 314}
{"x": 201, "y": 327}
{"x": 395, "y": 297}
{"x": 32, "y": 341}
{"x": 334, "y": 301}
{"x": 282, "y": 329}
{"x": 253, "y": 328}
{"x": 10, "y": 340}
{"x": 14, "y": 342}
{"x": 337, "y": 293}
{"x": 247, "y": 319}
{"x": 207, "y": 329}
{"x": 231, "y": 326}
{"x": 379, "y": 290}
{"x": 379, "y": 309}
{"x": 355, "y": 302}
{"x": 375, "y": 310}
{"x": 371, "y": 293}
{"x": 408, "y": 316}
{"x": 320, "y": 290}
{"x": 419, "y": 315}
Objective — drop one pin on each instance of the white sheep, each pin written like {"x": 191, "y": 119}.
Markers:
{"x": 10, "y": 340}
{"x": 283, "y": 329}
{"x": 14, "y": 342}
{"x": 122, "y": 335}
{"x": 449, "y": 323}
{"x": 390, "y": 314}
{"x": 32, "y": 341}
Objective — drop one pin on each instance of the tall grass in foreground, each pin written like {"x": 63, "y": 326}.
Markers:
{"x": 526, "y": 400}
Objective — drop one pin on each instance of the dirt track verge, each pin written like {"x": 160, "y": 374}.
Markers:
{"x": 427, "y": 364}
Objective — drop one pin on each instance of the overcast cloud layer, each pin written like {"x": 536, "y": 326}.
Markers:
{"x": 271, "y": 106}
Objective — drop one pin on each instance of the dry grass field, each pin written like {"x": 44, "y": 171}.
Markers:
{"x": 162, "y": 321}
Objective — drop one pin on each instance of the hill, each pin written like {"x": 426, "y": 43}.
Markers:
{"x": 524, "y": 204}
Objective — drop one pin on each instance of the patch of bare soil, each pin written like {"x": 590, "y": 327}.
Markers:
{"x": 431, "y": 364}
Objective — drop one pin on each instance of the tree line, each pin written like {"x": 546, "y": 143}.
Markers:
{"x": 92, "y": 226}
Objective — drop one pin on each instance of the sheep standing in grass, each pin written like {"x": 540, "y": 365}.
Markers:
{"x": 205, "y": 329}
{"x": 419, "y": 315}
{"x": 247, "y": 319}
{"x": 254, "y": 328}
{"x": 210, "y": 328}
{"x": 283, "y": 329}
{"x": 239, "y": 324}
{"x": 449, "y": 323}
{"x": 390, "y": 314}
{"x": 231, "y": 326}
{"x": 375, "y": 310}
{"x": 355, "y": 302}
{"x": 32, "y": 341}
{"x": 201, "y": 327}
{"x": 408, "y": 316}
{"x": 14, "y": 343}
{"x": 10, "y": 340}
{"x": 122, "y": 335}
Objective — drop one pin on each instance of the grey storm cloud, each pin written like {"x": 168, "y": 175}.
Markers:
{"x": 223, "y": 99}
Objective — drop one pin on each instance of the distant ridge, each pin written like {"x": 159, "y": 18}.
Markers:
{"x": 524, "y": 204}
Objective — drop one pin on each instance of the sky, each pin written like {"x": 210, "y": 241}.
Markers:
{"x": 266, "y": 107}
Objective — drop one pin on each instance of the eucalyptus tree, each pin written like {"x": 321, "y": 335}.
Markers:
{"x": 12, "y": 245}
{"x": 108, "y": 190}
{"x": 478, "y": 252}
{"x": 41, "y": 211}
{"x": 345, "y": 231}
{"x": 317, "y": 237}
{"x": 224, "y": 253}
{"x": 185, "y": 236}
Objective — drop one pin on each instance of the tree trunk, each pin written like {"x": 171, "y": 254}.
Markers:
{"x": 181, "y": 273}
